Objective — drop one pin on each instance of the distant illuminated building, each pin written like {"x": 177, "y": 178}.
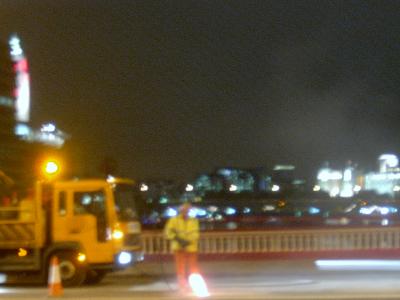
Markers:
{"x": 21, "y": 146}
{"x": 237, "y": 180}
{"x": 388, "y": 163}
{"x": 338, "y": 183}
{"x": 13, "y": 153}
{"x": 284, "y": 179}
{"x": 209, "y": 183}
{"x": 159, "y": 191}
{"x": 233, "y": 180}
{"x": 48, "y": 134}
{"x": 283, "y": 174}
{"x": 387, "y": 180}
{"x": 329, "y": 180}
{"x": 348, "y": 182}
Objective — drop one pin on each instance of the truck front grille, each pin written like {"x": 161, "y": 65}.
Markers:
{"x": 132, "y": 239}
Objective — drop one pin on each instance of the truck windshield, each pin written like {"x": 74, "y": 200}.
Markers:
{"x": 124, "y": 195}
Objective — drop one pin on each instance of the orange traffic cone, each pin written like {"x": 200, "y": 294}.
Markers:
{"x": 54, "y": 282}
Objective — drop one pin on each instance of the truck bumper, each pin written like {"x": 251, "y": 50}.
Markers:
{"x": 128, "y": 258}
{"x": 123, "y": 259}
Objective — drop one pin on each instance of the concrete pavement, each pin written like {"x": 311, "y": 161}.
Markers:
{"x": 233, "y": 280}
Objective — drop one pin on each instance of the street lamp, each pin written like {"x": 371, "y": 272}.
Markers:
{"x": 189, "y": 188}
{"x": 144, "y": 187}
{"x": 316, "y": 188}
{"x": 275, "y": 188}
{"x": 233, "y": 188}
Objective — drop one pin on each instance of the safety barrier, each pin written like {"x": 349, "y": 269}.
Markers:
{"x": 286, "y": 241}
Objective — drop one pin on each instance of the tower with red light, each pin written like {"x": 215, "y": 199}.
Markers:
{"x": 22, "y": 85}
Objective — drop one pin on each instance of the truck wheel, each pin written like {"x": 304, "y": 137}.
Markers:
{"x": 95, "y": 276}
{"x": 72, "y": 272}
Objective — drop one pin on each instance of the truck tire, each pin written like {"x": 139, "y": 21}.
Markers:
{"x": 95, "y": 276}
{"x": 72, "y": 272}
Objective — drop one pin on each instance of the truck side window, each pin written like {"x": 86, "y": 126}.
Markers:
{"x": 62, "y": 203}
{"x": 89, "y": 203}
{"x": 93, "y": 203}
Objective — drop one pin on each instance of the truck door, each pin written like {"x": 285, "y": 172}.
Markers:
{"x": 81, "y": 216}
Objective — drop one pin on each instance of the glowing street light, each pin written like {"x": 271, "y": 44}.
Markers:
{"x": 233, "y": 188}
{"x": 189, "y": 188}
{"x": 275, "y": 188}
{"x": 144, "y": 187}
{"x": 316, "y": 188}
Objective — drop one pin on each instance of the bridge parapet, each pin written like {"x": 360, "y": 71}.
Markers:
{"x": 285, "y": 241}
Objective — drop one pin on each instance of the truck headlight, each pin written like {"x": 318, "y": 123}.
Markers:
{"x": 117, "y": 234}
{"x": 81, "y": 257}
{"x": 3, "y": 278}
{"x": 124, "y": 258}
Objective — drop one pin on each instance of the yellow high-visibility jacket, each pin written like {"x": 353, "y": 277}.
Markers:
{"x": 186, "y": 229}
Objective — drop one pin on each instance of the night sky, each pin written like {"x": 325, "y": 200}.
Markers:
{"x": 175, "y": 88}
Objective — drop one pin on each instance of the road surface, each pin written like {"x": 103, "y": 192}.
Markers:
{"x": 282, "y": 280}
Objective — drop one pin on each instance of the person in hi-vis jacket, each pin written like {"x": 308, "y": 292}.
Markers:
{"x": 183, "y": 233}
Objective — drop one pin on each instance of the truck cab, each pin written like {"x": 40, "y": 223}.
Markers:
{"x": 91, "y": 225}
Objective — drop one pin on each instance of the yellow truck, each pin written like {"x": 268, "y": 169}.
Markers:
{"x": 90, "y": 225}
